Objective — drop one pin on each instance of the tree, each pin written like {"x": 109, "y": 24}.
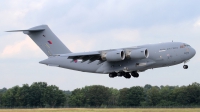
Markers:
{"x": 153, "y": 96}
{"x": 114, "y": 97}
{"x": 135, "y": 96}
{"x": 11, "y": 97}
{"x": 24, "y": 95}
{"x": 1, "y": 94}
{"x": 123, "y": 97}
{"x": 180, "y": 96}
{"x": 77, "y": 98}
{"x": 3, "y": 90}
{"x": 193, "y": 93}
{"x": 97, "y": 95}
{"x": 166, "y": 96}
{"x": 67, "y": 94}
{"x": 37, "y": 94}
{"x": 147, "y": 87}
{"x": 54, "y": 96}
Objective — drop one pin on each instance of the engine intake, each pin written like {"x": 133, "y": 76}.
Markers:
{"x": 117, "y": 55}
{"x": 138, "y": 54}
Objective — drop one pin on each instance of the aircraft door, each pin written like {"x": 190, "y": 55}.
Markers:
{"x": 184, "y": 52}
{"x": 175, "y": 55}
{"x": 169, "y": 56}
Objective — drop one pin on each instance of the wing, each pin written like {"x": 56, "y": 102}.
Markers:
{"x": 107, "y": 55}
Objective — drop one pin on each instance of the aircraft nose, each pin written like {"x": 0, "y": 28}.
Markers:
{"x": 193, "y": 52}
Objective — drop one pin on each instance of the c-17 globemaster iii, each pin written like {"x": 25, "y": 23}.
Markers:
{"x": 116, "y": 62}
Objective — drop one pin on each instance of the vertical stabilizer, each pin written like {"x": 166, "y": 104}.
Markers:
{"x": 46, "y": 40}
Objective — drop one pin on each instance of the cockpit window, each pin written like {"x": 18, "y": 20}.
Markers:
{"x": 188, "y": 45}
{"x": 184, "y": 45}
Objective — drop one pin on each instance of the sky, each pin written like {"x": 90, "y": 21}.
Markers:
{"x": 90, "y": 25}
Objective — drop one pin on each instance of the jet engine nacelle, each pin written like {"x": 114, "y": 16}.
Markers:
{"x": 117, "y": 55}
{"x": 138, "y": 54}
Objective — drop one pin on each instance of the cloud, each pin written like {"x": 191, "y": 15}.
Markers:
{"x": 80, "y": 45}
{"x": 17, "y": 11}
{"x": 197, "y": 23}
{"x": 24, "y": 48}
{"x": 98, "y": 41}
{"x": 126, "y": 35}
{"x": 78, "y": 42}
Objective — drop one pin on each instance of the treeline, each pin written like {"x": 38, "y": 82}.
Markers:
{"x": 37, "y": 95}
{"x": 42, "y": 95}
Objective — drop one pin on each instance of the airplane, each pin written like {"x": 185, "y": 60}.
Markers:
{"x": 120, "y": 62}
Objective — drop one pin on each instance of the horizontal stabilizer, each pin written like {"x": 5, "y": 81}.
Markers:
{"x": 30, "y": 30}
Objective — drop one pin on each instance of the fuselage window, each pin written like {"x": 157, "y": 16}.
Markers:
{"x": 162, "y": 50}
{"x": 175, "y": 48}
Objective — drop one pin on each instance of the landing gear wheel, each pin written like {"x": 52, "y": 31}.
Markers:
{"x": 120, "y": 74}
{"x": 127, "y": 75}
{"x": 135, "y": 74}
{"x": 185, "y": 66}
{"x": 112, "y": 75}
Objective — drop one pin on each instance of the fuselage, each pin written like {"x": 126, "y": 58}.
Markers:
{"x": 160, "y": 55}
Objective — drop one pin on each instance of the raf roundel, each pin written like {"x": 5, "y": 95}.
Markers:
{"x": 49, "y": 42}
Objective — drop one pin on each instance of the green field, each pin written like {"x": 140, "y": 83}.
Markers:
{"x": 104, "y": 110}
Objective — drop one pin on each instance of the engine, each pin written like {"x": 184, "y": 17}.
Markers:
{"x": 138, "y": 54}
{"x": 117, "y": 55}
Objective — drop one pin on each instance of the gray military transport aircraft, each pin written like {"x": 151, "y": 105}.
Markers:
{"x": 116, "y": 62}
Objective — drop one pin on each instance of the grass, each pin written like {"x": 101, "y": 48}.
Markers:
{"x": 104, "y": 110}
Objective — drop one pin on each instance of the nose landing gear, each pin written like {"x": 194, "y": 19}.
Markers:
{"x": 185, "y": 66}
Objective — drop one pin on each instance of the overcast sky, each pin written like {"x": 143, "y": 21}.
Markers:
{"x": 90, "y": 25}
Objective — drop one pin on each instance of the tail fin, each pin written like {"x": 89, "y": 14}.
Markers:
{"x": 46, "y": 40}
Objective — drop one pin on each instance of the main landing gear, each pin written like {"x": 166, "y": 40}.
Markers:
{"x": 125, "y": 74}
{"x": 185, "y": 66}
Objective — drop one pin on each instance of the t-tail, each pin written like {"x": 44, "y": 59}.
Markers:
{"x": 46, "y": 40}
